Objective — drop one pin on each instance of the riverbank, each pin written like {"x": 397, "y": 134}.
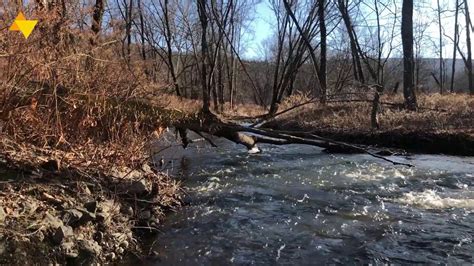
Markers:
{"x": 78, "y": 183}
{"x": 77, "y": 211}
{"x": 444, "y": 124}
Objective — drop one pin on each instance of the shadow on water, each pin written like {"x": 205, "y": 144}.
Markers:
{"x": 297, "y": 205}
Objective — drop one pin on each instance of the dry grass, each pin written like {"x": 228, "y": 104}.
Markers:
{"x": 58, "y": 91}
{"x": 164, "y": 99}
{"x": 454, "y": 112}
{"x": 85, "y": 108}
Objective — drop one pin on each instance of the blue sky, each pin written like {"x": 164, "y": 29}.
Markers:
{"x": 260, "y": 28}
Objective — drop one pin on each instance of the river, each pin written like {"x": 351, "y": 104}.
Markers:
{"x": 298, "y": 205}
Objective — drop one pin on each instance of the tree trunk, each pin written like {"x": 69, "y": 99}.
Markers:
{"x": 169, "y": 47}
{"x": 97, "y": 15}
{"x": 380, "y": 69}
{"x": 323, "y": 52}
{"x": 358, "y": 71}
{"x": 306, "y": 41}
{"x": 128, "y": 28}
{"x": 201, "y": 6}
{"x": 220, "y": 79}
{"x": 441, "y": 66}
{"x": 275, "y": 90}
{"x": 142, "y": 30}
{"x": 407, "y": 42}
{"x": 468, "y": 44}
{"x": 238, "y": 134}
{"x": 456, "y": 40}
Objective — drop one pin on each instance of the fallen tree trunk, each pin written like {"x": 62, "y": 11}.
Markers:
{"x": 250, "y": 136}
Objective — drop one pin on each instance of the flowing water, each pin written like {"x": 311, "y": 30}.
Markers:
{"x": 297, "y": 205}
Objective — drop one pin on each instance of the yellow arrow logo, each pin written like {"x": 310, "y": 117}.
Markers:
{"x": 23, "y": 25}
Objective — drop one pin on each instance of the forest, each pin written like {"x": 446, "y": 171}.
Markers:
{"x": 88, "y": 98}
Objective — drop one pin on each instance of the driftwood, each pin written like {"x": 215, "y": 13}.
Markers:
{"x": 251, "y": 136}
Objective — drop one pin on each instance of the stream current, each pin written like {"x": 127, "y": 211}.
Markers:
{"x": 298, "y": 205}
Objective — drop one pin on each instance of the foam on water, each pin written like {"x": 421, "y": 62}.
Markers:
{"x": 430, "y": 199}
{"x": 374, "y": 172}
{"x": 295, "y": 205}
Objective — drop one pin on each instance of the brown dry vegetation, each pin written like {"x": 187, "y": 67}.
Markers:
{"x": 76, "y": 129}
{"x": 441, "y": 121}
{"x": 77, "y": 123}
{"x": 436, "y": 112}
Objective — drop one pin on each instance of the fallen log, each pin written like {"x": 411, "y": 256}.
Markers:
{"x": 251, "y": 136}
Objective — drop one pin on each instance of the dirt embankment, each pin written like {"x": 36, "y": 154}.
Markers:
{"x": 459, "y": 143}
{"x": 444, "y": 124}
{"x": 67, "y": 211}
{"x": 77, "y": 183}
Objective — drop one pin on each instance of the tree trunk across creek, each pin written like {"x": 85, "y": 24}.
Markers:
{"x": 250, "y": 136}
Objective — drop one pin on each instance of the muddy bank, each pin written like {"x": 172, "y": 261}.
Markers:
{"x": 71, "y": 216}
{"x": 458, "y": 142}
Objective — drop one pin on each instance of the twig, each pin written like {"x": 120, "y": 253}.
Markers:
{"x": 147, "y": 228}
{"x": 266, "y": 118}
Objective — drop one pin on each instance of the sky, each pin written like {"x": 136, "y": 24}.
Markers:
{"x": 261, "y": 27}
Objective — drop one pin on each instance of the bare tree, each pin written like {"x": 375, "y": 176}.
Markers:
{"x": 455, "y": 45}
{"x": 307, "y": 42}
{"x": 97, "y": 15}
{"x": 441, "y": 61}
{"x": 292, "y": 45}
{"x": 356, "y": 61}
{"x": 407, "y": 42}
{"x": 141, "y": 29}
{"x": 468, "y": 44}
{"x": 420, "y": 41}
{"x": 126, "y": 11}
{"x": 203, "y": 18}
{"x": 323, "y": 54}
{"x": 164, "y": 4}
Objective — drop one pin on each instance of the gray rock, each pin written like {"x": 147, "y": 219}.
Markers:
{"x": 69, "y": 249}
{"x": 91, "y": 247}
{"x": 52, "y": 221}
{"x": 137, "y": 187}
{"x": 78, "y": 216}
{"x": 72, "y": 216}
{"x": 62, "y": 233}
{"x": 3, "y": 215}
{"x": 87, "y": 216}
{"x": 38, "y": 237}
{"x": 126, "y": 173}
